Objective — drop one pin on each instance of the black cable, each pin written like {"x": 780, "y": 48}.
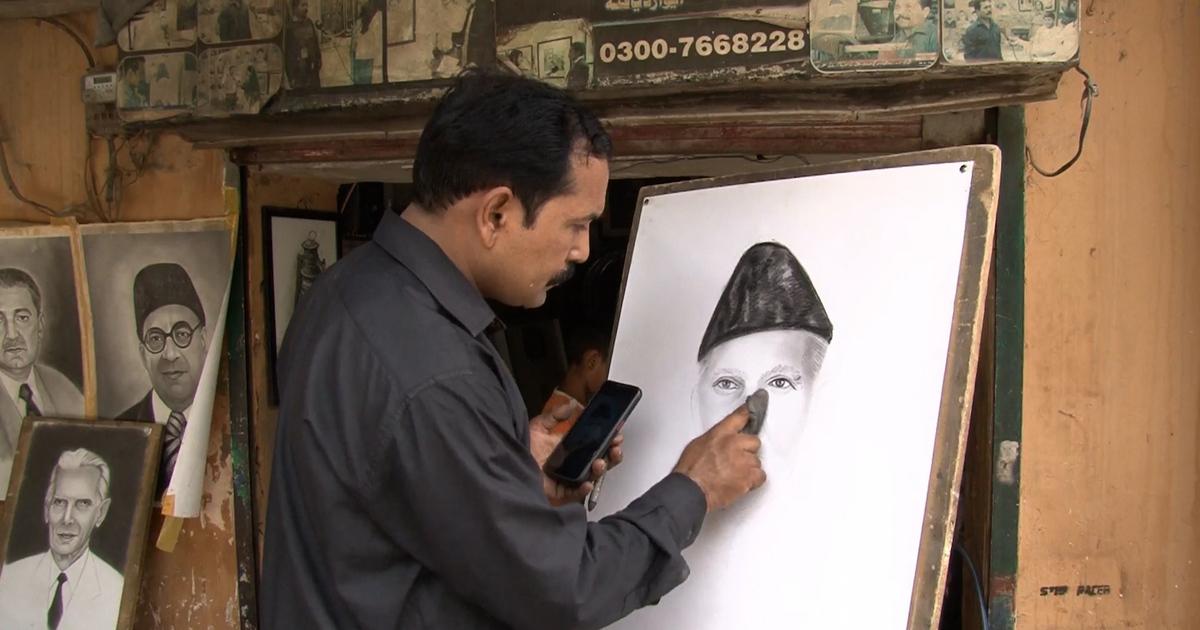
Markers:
{"x": 983, "y": 611}
{"x": 1090, "y": 91}
{"x": 12, "y": 185}
{"x": 87, "y": 52}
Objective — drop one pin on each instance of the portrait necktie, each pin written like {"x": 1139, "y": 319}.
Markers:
{"x": 54, "y": 615}
{"x": 171, "y": 440}
{"x": 25, "y": 393}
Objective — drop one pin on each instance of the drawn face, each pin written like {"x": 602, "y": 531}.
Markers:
{"x": 783, "y": 362}
{"x": 910, "y": 14}
{"x": 985, "y": 8}
{"x": 173, "y": 348}
{"x": 22, "y": 328}
{"x": 73, "y": 510}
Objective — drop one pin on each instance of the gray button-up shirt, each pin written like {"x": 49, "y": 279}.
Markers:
{"x": 403, "y": 492}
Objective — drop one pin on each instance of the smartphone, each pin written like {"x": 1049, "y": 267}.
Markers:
{"x": 593, "y": 433}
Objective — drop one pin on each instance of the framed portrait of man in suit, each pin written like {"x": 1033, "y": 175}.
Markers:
{"x": 156, "y": 293}
{"x": 76, "y": 523}
{"x": 41, "y": 350}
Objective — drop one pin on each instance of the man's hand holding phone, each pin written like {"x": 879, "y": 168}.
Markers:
{"x": 543, "y": 441}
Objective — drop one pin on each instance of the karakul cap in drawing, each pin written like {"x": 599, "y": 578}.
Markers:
{"x": 162, "y": 284}
{"x": 768, "y": 290}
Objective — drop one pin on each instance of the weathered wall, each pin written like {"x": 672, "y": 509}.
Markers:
{"x": 42, "y": 120}
{"x": 1109, "y": 481}
{"x": 265, "y": 189}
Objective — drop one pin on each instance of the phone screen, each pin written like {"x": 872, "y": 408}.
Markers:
{"x": 599, "y": 420}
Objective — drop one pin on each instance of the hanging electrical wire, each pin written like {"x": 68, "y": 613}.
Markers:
{"x": 1090, "y": 92}
{"x": 87, "y": 52}
{"x": 5, "y": 170}
{"x": 16, "y": 192}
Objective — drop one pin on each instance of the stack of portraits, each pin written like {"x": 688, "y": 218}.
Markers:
{"x": 114, "y": 321}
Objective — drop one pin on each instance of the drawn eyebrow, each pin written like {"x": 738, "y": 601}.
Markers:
{"x": 789, "y": 369}
{"x": 730, "y": 372}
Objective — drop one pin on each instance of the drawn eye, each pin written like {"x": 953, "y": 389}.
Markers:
{"x": 781, "y": 382}
{"x": 727, "y": 385}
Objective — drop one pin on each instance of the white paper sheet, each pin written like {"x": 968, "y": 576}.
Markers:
{"x": 831, "y": 540}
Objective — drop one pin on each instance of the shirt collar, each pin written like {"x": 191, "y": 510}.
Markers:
{"x": 13, "y": 387}
{"x": 74, "y": 574}
{"x": 162, "y": 412}
{"x": 426, "y": 260}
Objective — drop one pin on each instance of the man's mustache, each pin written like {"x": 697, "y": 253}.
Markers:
{"x": 15, "y": 344}
{"x": 563, "y": 276}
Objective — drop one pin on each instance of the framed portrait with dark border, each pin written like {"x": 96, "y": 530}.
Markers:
{"x": 554, "y": 58}
{"x": 297, "y": 246}
{"x": 75, "y": 526}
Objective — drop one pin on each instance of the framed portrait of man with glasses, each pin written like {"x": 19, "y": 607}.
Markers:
{"x": 156, "y": 292}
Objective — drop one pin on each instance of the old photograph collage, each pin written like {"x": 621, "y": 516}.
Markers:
{"x": 223, "y": 57}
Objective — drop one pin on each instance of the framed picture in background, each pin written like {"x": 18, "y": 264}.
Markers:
{"x": 76, "y": 522}
{"x": 297, "y": 246}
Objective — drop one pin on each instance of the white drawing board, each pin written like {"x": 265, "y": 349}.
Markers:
{"x": 850, "y": 440}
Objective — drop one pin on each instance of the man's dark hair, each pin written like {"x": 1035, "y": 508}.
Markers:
{"x": 499, "y": 129}
{"x": 975, "y": 4}
{"x": 11, "y": 278}
{"x": 580, "y": 339}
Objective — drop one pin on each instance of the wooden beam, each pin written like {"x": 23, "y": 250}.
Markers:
{"x": 44, "y": 8}
{"x": 391, "y": 112}
{"x": 638, "y": 140}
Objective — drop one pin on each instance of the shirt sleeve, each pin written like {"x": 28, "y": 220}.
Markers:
{"x": 461, "y": 492}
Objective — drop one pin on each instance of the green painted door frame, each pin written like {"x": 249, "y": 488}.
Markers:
{"x": 1009, "y": 365}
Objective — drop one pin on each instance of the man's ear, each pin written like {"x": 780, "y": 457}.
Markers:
{"x": 592, "y": 359}
{"x": 103, "y": 511}
{"x": 498, "y": 211}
